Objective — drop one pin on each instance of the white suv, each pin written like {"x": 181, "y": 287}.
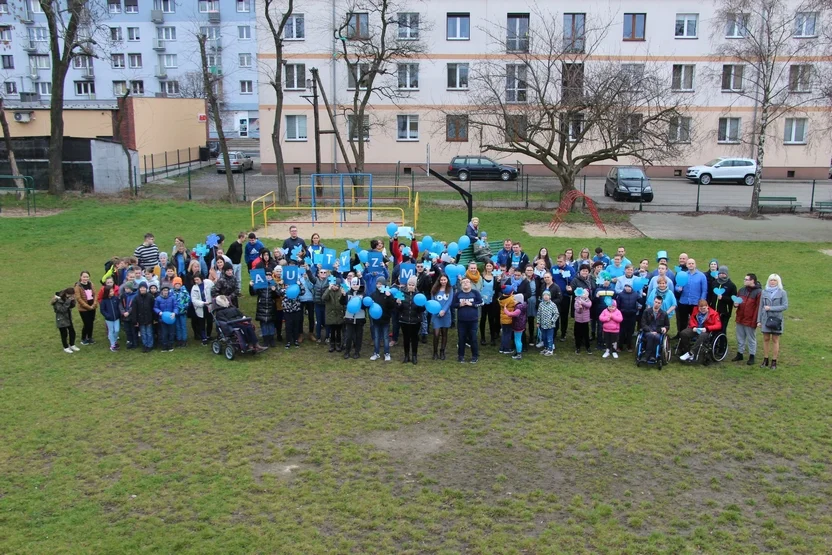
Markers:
{"x": 741, "y": 170}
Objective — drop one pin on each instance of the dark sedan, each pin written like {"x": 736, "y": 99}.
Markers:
{"x": 628, "y": 182}
{"x": 480, "y": 167}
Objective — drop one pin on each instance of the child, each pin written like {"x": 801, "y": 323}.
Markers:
{"x": 170, "y": 273}
{"x": 334, "y": 314}
{"x": 201, "y": 320}
{"x": 111, "y": 312}
{"x": 141, "y": 312}
{"x": 62, "y": 304}
{"x": 165, "y": 303}
{"x": 182, "y": 299}
{"x": 381, "y": 326}
{"x": 127, "y": 294}
{"x": 547, "y": 318}
{"x": 265, "y": 308}
{"x": 611, "y": 319}
{"x": 87, "y": 305}
{"x": 353, "y": 321}
{"x": 583, "y": 308}
{"x": 506, "y": 302}
{"x": 518, "y": 324}
{"x": 109, "y": 282}
{"x": 292, "y": 313}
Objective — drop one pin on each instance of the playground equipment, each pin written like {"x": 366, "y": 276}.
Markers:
{"x": 349, "y": 189}
{"x": 566, "y": 204}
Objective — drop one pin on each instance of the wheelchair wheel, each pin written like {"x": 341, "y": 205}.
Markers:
{"x": 719, "y": 350}
{"x": 216, "y": 348}
{"x": 666, "y": 352}
{"x": 229, "y": 352}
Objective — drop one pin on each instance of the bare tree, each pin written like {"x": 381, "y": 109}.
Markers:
{"x": 7, "y": 138}
{"x": 558, "y": 102}
{"x": 277, "y": 25}
{"x": 773, "y": 48}
{"x": 211, "y": 82}
{"x": 192, "y": 85}
{"x": 120, "y": 136}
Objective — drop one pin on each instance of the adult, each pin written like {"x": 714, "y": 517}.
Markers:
{"x": 569, "y": 256}
{"x": 87, "y": 306}
{"x": 723, "y": 303}
{"x": 147, "y": 253}
{"x": 410, "y": 320}
{"x": 661, "y": 271}
{"x": 315, "y": 245}
{"x": 518, "y": 259}
{"x": 701, "y": 325}
{"x": 201, "y": 320}
{"x": 235, "y": 253}
{"x": 473, "y": 230}
{"x": 226, "y": 285}
{"x": 504, "y": 255}
{"x": 543, "y": 254}
{"x": 292, "y": 242}
{"x": 773, "y": 302}
{"x": 562, "y": 275}
{"x": 381, "y": 326}
{"x": 180, "y": 258}
{"x": 583, "y": 259}
{"x": 490, "y": 312}
{"x": 654, "y": 323}
{"x": 622, "y": 252}
{"x": 253, "y": 248}
{"x": 747, "y": 313}
{"x": 683, "y": 263}
{"x": 467, "y": 302}
{"x": 442, "y": 293}
{"x": 231, "y": 318}
{"x": 62, "y": 304}
{"x": 217, "y": 250}
{"x": 694, "y": 291}
{"x": 601, "y": 257}
{"x": 664, "y": 291}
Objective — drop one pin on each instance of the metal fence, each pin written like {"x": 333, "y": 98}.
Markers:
{"x": 173, "y": 162}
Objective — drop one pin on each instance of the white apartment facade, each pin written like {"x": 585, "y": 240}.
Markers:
{"x": 678, "y": 37}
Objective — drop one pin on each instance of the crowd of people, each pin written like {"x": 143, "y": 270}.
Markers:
{"x": 416, "y": 291}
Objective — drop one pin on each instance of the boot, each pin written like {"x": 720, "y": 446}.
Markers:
{"x": 442, "y": 354}
{"x": 406, "y": 358}
{"x": 765, "y": 363}
{"x": 750, "y": 360}
{"x": 413, "y": 359}
{"x": 738, "y": 357}
{"x": 774, "y": 364}
{"x": 435, "y": 347}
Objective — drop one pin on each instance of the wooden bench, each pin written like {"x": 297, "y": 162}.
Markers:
{"x": 789, "y": 203}
{"x": 823, "y": 207}
{"x": 467, "y": 254}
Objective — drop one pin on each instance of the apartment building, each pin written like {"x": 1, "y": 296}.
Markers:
{"x": 426, "y": 119}
{"x": 148, "y": 47}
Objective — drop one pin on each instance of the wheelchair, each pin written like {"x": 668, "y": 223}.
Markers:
{"x": 662, "y": 354}
{"x": 714, "y": 349}
{"x": 229, "y": 341}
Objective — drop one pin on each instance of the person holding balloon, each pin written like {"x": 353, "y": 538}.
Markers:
{"x": 410, "y": 306}
{"x": 354, "y": 319}
{"x": 692, "y": 287}
{"x": 381, "y": 305}
{"x": 165, "y": 309}
{"x": 292, "y": 311}
{"x": 442, "y": 298}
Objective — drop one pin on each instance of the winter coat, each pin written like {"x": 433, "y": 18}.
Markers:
{"x": 289, "y": 305}
{"x": 197, "y": 297}
{"x": 387, "y": 303}
{"x": 226, "y": 286}
{"x": 63, "y": 314}
{"x": 725, "y": 305}
{"x": 583, "y": 283}
{"x": 335, "y": 311}
{"x": 654, "y": 322}
{"x": 180, "y": 261}
{"x": 598, "y": 304}
{"x": 749, "y": 308}
{"x": 354, "y": 317}
{"x": 85, "y": 303}
{"x": 555, "y": 290}
{"x": 110, "y": 309}
{"x": 506, "y": 302}
{"x": 561, "y": 280}
{"x": 518, "y": 317}
{"x": 583, "y": 309}
{"x": 547, "y": 315}
{"x": 125, "y": 305}
{"x": 142, "y": 309}
{"x": 628, "y": 303}
{"x": 712, "y": 322}
{"x": 264, "y": 313}
{"x": 777, "y": 303}
{"x": 409, "y": 313}
{"x": 163, "y": 304}
{"x": 472, "y": 232}
{"x": 318, "y": 288}
{"x": 611, "y": 320}
{"x": 182, "y": 300}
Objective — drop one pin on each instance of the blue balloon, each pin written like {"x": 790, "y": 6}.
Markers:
{"x": 368, "y": 302}
{"x": 714, "y": 273}
{"x": 292, "y": 292}
{"x": 427, "y": 242}
{"x": 168, "y": 317}
{"x": 362, "y": 256}
{"x": 354, "y": 305}
{"x": 452, "y": 279}
{"x": 682, "y": 279}
{"x": 433, "y": 307}
{"x": 464, "y": 242}
{"x": 376, "y": 311}
{"x": 639, "y": 283}
{"x": 437, "y": 247}
{"x": 460, "y": 270}
{"x": 451, "y": 270}
{"x": 453, "y": 249}
{"x": 392, "y": 228}
{"x": 419, "y": 299}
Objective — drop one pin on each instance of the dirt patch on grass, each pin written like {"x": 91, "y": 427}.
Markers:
{"x": 827, "y": 252}
{"x": 21, "y": 213}
{"x": 356, "y": 226}
{"x": 408, "y": 444}
{"x": 283, "y": 469}
{"x": 583, "y": 231}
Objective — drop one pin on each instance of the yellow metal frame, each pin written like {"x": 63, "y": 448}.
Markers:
{"x": 352, "y": 192}
{"x": 265, "y": 207}
{"x": 334, "y": 210}
{"x": 415, "y": 211}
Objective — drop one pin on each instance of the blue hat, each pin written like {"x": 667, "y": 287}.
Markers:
{"x": 660, "y": 255}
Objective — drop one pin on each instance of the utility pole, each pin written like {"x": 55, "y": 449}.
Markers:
{"x": 313, "y": 83}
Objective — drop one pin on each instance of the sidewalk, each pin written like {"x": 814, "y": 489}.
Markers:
{"x": 719, "y": 227}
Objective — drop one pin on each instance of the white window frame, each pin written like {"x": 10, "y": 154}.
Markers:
{"x": 211, "y": 32}
{"x": 121, "y": 58}
{"x": 801, "y": 76}
{"x": 170, "y": 87}
{"x": 737, "y": 25}
{"x": 167, "y": 34}
{"x": 687, "y": 72}
{"x": 133, "y": 9}
{"x": 406, "y": 74}
{"x": 350, "y": 126}
{"x": 113, "y": 7}
{"x": 245, "y": 59}
{"x": 6, "y": 34}
{"x": 166, "y": 6}
{"x": 209, "y": 6}
{"x": 408, "y": 133}
{"x": 116, "y": 34}
{"x": 458, "y": 70}
{"x": 576, "y": 125}
{"x": 517, "y": 38}
{"x": 135, "y": 57}
{"x": 84, "y": 88}
{"x": 517, "y": 85}
{"x": 81, "y": 62}
{"x": 35, "y": 7}
{"x": 729, "y": 137}
{"x": 355, "y": 75}
{"x": 244, "y": 32}
{"x": 458, "y": 18}
{"x": 737, "y": 73}
{"x": 4, "y": 7}
{"x": 170, "y": 61}
{"x": 8, "y": 57}
{"x": 245, "y": 5}
{"x": 293, "y": 127}
{"x": 686, "y": 19}
{"x": 679, "y": 131}
{"x": 292, "y": 23}
{"x": 298, "y": 81}
{"x": 10, "y": 87}
{"x": 246, "y": 86}
{"x": 40, "y": 62}
{"x": 790, "y": 131}
{"x": 39, "y": 34}
{"x": 44, "y": 88}
{"x": 634, "y": 73}
{"x": 119, "y": 88}
{"x": 806, "y": 25}
{"x": 136, "y": 34}
{"x": 137, "y": 87}
{"x": 408, "y": 23}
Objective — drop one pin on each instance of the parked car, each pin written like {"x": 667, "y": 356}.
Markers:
{"x": 628, "y": 182}
{"x": 239, "y": 163}
{"x": 213, "y": 149}
{"x": 480, "y": 167}
{"x": 741, "y": 170}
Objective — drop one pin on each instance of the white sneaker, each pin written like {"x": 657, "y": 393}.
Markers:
{"x": 685, "y": 356}
{"x": 374, "y": 357}
{"x": 614, "y": 354}
{"x": 386, "y": 358}
{"x": 74, "y": 348}
{"x": 68, "y": 350}
{"x": 606, "y": 354}
{"x": 539, "y": 345}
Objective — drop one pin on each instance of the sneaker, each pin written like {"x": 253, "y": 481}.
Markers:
{"x": 84, "y": 342}
{"x": 460, "y": 360}
{"x": 615, "y": 354}
{"x": 90, "y": 341}
{"x": 547, "y": 353}
{"x": 68, "y": 350}
{"x": 589, "y": 351}
{"x": 386, "y": 358}
{"x": 374, "y": 357}
{"x": 562, "y": 339}
{"x": 539, "y": 344}
{"x": 74, "y": 348}
{"x": 356, "y": 355}
{"x": 685, "y": 356}
{"x": 288, "y": 345}
{"x": 518, "y": 356}
{"x": 606, "y": 354}
{"x": 113, "y": 348}
{"x": 577, "y": 351}
{"x": 474, "y": 360}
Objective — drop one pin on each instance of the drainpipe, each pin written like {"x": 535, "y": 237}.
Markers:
{"x": 334, "y": 91}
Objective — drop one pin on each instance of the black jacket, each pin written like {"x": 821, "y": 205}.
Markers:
{"x": 142, "y": 309}
{"x": 651, "y": 322}
{"x": 265, "y": 304}
{"x": 388, "y": 304}
{"x": 553, "y": 289}
{"x": 409, "y": 313}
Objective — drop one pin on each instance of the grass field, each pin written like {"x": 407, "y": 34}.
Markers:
{"x": 307, "y": 453}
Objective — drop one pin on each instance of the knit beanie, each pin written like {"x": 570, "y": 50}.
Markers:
{"x": 723, "y": 270}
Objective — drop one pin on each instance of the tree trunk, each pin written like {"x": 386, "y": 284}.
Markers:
{"x": 120, "y": 138}
{"x": 280, "y": 170}
{"x": 754, "y": 209}
{"x": 214, "y": 105}
{"x": 7, "y": 137}
{"x": 56, "y": 130}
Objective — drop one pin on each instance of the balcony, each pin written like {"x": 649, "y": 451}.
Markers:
{"x": 157, "y": 16}
{"x": 214, "y": 45}
{"x": 88, "y": 73}
{"x": 213, "y": 17}
{"x": 161, "y": 72}
{"x": 159, "y": 45}
{"x": 26, "y": 14}
{"x": 32, "y": 46}
{"x": 34, "y": 74}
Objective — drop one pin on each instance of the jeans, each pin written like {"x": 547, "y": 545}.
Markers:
{"x": 467, "y": 333}
{"x": 353, "y": 335}
{"x": 70, "y": 331}
{"x": 113, "y": 328}
{"x": 181, "y": 327}
{"x": 320, "y": 318}
{"x": 147, "y": 335}
{"x": 518, "y": 341}
{"x": 505, "y": 337}
{"x": 380, "y": 332}
{"x": 746, "y": 335}
{"x": 423, "y": 327}
{"x": 548, "y": 338}
{"x": 168, "y": 334}
{"x": 238, "y": 273}
{"x": 267, "y": 329}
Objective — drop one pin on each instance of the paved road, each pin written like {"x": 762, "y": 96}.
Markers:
{"x": 719, "y": 227}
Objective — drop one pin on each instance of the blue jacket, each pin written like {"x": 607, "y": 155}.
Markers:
{"x": 628, "y": 303}
{"x": 605, "y": 259}
{"x": 164, "y": 305}
{"x": 472, "y": 233}
{"x": 696, "y": 288}
{"x": 503, "y": 257}
{"x": 560, "y": 280}
{"x": 110, "y": 309}
{"x": 253, "y": 251}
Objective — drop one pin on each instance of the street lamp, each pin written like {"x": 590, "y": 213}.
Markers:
{"x": 313, "y": 84}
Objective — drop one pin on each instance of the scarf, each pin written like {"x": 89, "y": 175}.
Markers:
{"x": 772, "y": 290}
{"x": 722, "y": 281}
{"x": 475, "y": 277}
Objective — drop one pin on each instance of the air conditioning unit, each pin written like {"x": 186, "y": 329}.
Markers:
{"x": 23, "y": 117}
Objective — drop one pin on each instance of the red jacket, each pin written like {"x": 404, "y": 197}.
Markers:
{"x": 712, "y": 321}
{"x": 396, "y": 249}
{"x": 746, "y": 312}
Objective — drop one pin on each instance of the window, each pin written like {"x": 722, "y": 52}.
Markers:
{"x": 117, "y": 61}
{"x": 632, "y": 75}
{"x": 167, "y": 6}
{"x": 166, "y": 33}
{"x": 572, "y": 82}
{"x": 135, "y": 61}
{"x": 296, "y": 128}
{"x": 805, "y": 24}
{"x": 358, "y": 26}
{"x": 408, "y": 128}
{"x": 353, "y": 128}
{"x": 170, "y": 61}
{"x": 408, "y": 26}
{"x": 515, "y": 83}
{"x": 84, "y": 88}
{"x": 682, "y": 77}
{"x": 795, "y": 131}
{"x": 517, "y": 32}
{"x": 137, "y": 87}
{"x": 114, "y": 6}
{"x": 516, "y": 128}
{"x": 211, "y": 33}
{"x": 634, "y": 26}
{"x": 39, "y": 34}
{"x": 576, "y": 126}
{"x": 115, "y": 34}
{"x": 209, "y": 6}
{"x": 686, "y": 24}
{"x": 133, "y": 34}
{"x": 458, "y": 76}
{"x": 459, "y": 26}
{"x": 245, "y": 60}
{"x": 35, "y": 7}
{"x": 214, "y": 60}
{"x": 81, "y": 62}
{"x": 294, "y": 29}
{"x": 800, "y": 78}
{"x": 629, "y": 130}
{"x": 243, "y": 6}
{"x": 4, "y": 6}
{"x": 40, "y": 62}
{"x": 131, "y": 6}
{"x": 170, "y": 87}
{"x": 408, "y": 76}
{"x": 6, "y": 34}
{"x": 119, "y": 88}
{"x": 574, "y": 32}
{"x": 679, "y": 129}
{"x": 357, "y": 75}
{"x": 10, "y": 87}
{"x": 456, "y": 129}
{"x": 246, "y": 87}
{"x": 736, "y": 26}
{"x": 732, "y": 77}
{"x": 8, "y": 61}
{"x": 44, "y": 88}
{"x": 296, "y": 76}
{"x": 244, "y": 32}
{"x": 729, "y": 130}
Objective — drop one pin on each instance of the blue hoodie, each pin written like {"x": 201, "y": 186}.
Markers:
{"x": 561, "y": 280}
{"x": 253, "y": 251}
